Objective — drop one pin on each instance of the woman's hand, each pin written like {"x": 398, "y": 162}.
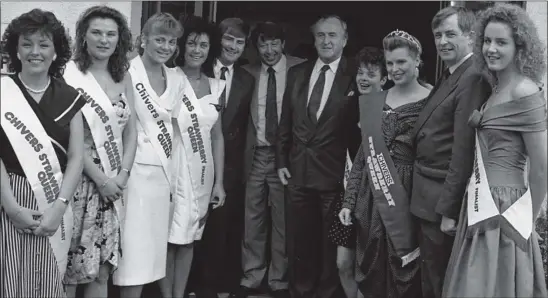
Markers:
{"x": 110, "y": 191}
{"x": 218, "y": 196}
{"x": 23, "y": 219}
{"x": 345, "y": 217}
{"x": 51, "y": 219}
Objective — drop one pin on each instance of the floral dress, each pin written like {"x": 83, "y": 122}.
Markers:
{"x": 96, "y": 231}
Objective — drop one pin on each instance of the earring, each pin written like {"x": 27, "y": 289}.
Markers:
{"x": 54, "y": 57}
{"x": 18, "y": 56}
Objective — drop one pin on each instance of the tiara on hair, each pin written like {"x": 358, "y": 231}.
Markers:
{"x": 406, "y": 36}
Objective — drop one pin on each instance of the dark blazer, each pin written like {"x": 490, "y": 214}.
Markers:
{"x": 315, "y": 154}
{"x": 251, "y": 141}
{"x": 235, "y": 121}
{"x": 445, "y": 143}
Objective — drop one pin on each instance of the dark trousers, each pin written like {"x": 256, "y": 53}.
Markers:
{"x": 435, "y": 249}
{"x": 312, "y": 256}
{"x": 217, "y": 256}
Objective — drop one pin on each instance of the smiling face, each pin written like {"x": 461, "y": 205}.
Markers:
{"x": 369, "y": 79}
{"x": 401, "y": 65}
{"x": 329, "y": 39}
{"x": 36, "y": 52}
{"x": 102, "y": 38}
{"x": 196, "y": 49}
{"x": 232, "y": 48}
{"x": 270, "y": 50}
{"x": 160, "y": 47}
{"x": 452, "y": 44}
{"x": 499, "y": 48}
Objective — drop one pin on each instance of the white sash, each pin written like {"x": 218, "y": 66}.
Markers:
{"x": 347, "y": 168}
{"x": 34, "y": 150}
{"x": 481, "y": 205}
{"x": 155, "y": 119}
{"x": 103, "y": 123}
{"x": 196, "y": 144}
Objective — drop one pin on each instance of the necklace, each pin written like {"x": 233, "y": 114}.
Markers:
{"x": 34, "y": 90}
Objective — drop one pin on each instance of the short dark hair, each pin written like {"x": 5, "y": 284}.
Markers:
{"x": 234, "y": 26}
{"x": 118, "y": 63}
{"x": 267, "y": 31}
{"x": 198, "y": 26}
{"x": 466, "y": 18}
{"x": 372, "y": 56}
{"x": 38, "y": 20}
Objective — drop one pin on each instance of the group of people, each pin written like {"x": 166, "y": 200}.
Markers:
{"x": 182, "y": 158}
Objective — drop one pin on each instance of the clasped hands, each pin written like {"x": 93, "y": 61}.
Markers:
{"x": 113, "y": 188}
{"x": 45, "y": 224}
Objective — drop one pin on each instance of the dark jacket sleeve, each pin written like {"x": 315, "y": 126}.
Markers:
{"x": 471, "y": 93}
{"x": 283, "y": 140}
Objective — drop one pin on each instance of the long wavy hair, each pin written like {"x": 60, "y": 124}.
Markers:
{"x": 530, "y": 57}
{"x": 198, "y": 26}
{"x": 37, "y": 20}
{"x": 118, "y": 63}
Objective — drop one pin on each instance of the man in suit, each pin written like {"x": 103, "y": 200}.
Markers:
{"x": 218, "y": 256}
{"x": 263, "y": 187}
{"x": 445, "y": 144}
{"x": 313, "y": 137}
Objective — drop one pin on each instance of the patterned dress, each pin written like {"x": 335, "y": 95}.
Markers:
{"x": 96, "y": 231}
{"x": 377, "y": 271}
{"x": 28, "y": 267}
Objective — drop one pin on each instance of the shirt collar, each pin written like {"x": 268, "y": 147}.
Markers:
{"x": 280, "y": 66}
{"x": 333, "y": 66}
{"x": 454, "y": 67}
{"x": 219, "y": 65}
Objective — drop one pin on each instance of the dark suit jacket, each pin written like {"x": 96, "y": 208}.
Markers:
{"x": 445, "y": 143}
{"x": 235, "y": 122}
{"x": 315, "y": 154}
{"x": 251, "y": 142}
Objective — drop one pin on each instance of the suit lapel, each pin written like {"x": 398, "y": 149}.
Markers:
{"x": 338, "y": 89}
{"x": 439, "y": 95}
{"x": 255, "y": 71}
{"x": 303, "y": 94}
{"x": 234, "y": 97}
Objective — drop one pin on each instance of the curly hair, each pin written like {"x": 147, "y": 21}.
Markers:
{"x": 372, "y": 56}
{"x": 198, "y": 26}
{"x": 530, "y": 57}
{"x": 45, "y": 22}
{"x": 118, "y": 63}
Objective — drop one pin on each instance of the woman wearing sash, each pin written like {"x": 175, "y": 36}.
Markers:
{"x": 99, "y": 73}
{"x": 496, "y": 251}
{"x": 41, "y": 157}
{"x": 378, "y": 189}
{"x": 198, "y": 153}
{"x": 144, "y": 241}
{"x": 370, "y": 78}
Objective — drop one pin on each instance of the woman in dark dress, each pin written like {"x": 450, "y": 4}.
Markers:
{"x": 382, "y": 269}
{"x": 36, "y": 222}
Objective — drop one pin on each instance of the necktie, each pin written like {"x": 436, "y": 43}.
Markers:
{"x": 222, "y": 100}
{"x": 316, "y": 95}
{"x": 271, "y": 113}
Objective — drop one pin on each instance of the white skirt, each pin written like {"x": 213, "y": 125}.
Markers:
{"x": 144, "y": 242}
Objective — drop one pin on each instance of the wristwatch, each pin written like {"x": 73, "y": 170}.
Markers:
{"x": 128, "y": 171}
{"x": 65, "y": 201}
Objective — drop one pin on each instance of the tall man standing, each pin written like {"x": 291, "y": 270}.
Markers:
{"x": 263, "y": 187}
{"x": 316, "y": 124}
{"x": 218, "y": 265}
{"x": 445, "y": 144}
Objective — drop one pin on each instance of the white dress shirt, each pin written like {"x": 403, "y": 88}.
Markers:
{"x": 454, "y": 67}
{"x": 329, "y": 78}
{"x": 228, "y": 76}
{"x": 280, "y": 69}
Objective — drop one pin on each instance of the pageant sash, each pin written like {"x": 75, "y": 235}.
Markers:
{"x": 483, "y": 213}
{"x": 389, "y": 194}
{"x": 103, "y": 123}
{"x": 35, "y": 152}
{"x": 196, "y": 143}
{"x": 155, "y": 120}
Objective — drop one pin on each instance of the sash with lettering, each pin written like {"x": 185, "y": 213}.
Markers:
{"x": 389, "y": 194}
{"x": 155, "y": 119}
{"x": 196, "y": 143}
{"x": 483, "y": 213}
{"x": 38, "y": 160}
{"x": 103, "y": 123}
